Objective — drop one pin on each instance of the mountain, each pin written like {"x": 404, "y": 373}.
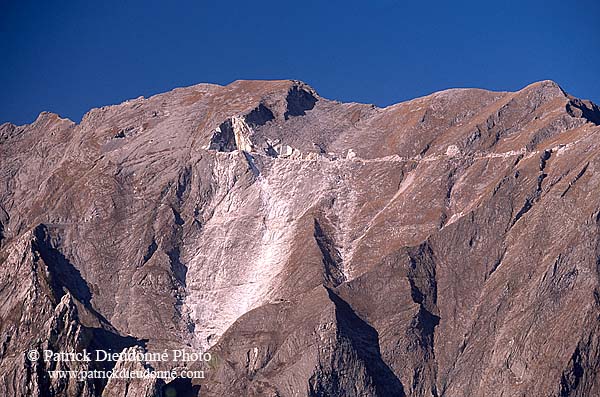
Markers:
{"x": 444, "y": 246}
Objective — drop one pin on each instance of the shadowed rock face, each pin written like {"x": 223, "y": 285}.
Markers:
{"x": 444, "y": 246}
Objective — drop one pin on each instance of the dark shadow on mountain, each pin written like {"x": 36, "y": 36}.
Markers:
{"x": 223, "y": 139}
{"x": 261, "y": 115}
{"x": 585, "y": 109}
{"x": 298, "y": 102}
{"x": 177, "y": 267}
{"x": 110, "y": 342}
{"x": 365, "y": 341}
{"x": 63, "y": 275}
{"x": 180, "y": 387}
{"x": 113, "y": 342}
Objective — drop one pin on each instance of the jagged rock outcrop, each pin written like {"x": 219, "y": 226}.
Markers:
{"x": 444, "y": 246}
{"x": 133, "y": 387}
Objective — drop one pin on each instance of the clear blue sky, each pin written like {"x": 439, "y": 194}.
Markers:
{"x": 70, "y": 56}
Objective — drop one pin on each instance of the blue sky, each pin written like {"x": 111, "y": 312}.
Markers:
{"x": 70, "y": 56}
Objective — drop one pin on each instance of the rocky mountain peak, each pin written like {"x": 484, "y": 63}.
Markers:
{"x": 435, "y": 247}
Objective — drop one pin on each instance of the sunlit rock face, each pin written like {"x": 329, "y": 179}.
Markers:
{"x": 444, "y": 246}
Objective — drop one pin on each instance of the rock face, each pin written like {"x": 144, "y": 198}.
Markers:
{"x": 444, "y": 246}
